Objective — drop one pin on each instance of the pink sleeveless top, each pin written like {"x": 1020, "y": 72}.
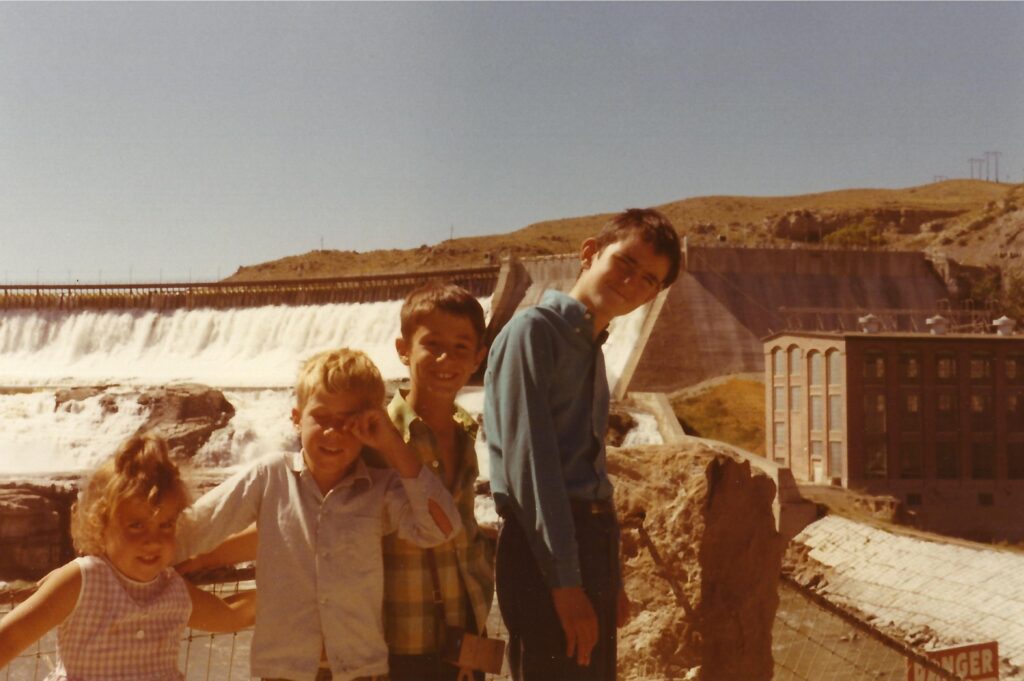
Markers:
{"x": 123, "y": 630}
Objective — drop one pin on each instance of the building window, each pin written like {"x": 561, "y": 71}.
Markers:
{"x": 982, "y": 417}
{"x": 947, "y": 467}
{"x": 779, "y": 362}
{"x": 1014, "y": 366}
{"x": 910, "y": 366}
{"x": 835, "y": 459}
{"x": 945, "y": 368}
{"x": 817, "y": 413}
{"x": 947, "y": 408}
{"x": 874, "y": 413}
{"x": 1015, "y": 411}
{"x": 910, "y": 460}
{"x": 835, "y": 368}
{"x": 874, "y": 366}
{"x": 983, "y": 461}
{"x": 1015, "y": 460}
{"x": 817, "y": 450}
{"x": 780, "y": 398}
{"x": 910, "y": 419}
{"x": 795, "y": 400}
{"x": 780, "y": 434}
{"x": 817, "y": 368}
{"x": 796, "y": 357}
{"x": 835, "y": 412}
{"x": 875, "y": 463}
{"x": 981, "y": 368}
{"x": 986, "y": 499}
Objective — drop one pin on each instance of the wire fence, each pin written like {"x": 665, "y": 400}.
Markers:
{"x": 203, "y": 657}
{"x": 813, "y": 640}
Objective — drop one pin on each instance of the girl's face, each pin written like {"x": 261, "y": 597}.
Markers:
{"x": 139, "y": 538}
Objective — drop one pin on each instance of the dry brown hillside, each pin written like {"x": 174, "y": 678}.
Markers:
{"x": 973, "y": 220}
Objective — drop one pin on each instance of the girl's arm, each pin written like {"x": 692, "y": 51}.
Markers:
{"x": 210, "y": 613}
{"x": 50, "y": 605}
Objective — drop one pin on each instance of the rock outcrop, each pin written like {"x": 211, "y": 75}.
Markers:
{"x": 702, "y": 565}
{"x": 34, "y": 523}
{"x": 185, "y": 415}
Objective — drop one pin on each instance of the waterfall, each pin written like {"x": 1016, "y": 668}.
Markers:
{"x": 252, "y": 354}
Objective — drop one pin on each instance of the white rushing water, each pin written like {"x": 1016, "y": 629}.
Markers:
{"x": 236, "y": 350}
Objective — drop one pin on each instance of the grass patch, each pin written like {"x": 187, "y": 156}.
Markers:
{"x": 731, "y": 411}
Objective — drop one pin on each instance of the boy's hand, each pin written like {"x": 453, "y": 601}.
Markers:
{"x": 373, "y": 428}
{"x": 578, "y": 620}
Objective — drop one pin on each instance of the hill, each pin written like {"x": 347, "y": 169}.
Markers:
{"x": 973, "y": 221}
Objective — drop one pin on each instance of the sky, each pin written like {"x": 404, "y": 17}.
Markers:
{"x": 165, "y": 141}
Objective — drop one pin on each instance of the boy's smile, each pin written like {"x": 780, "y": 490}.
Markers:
{"x": 329, "y": 448}
{"x": 442, "y": 354}
{"x": 617, "y": 280}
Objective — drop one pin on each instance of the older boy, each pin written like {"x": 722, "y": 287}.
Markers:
{"x": 442, "y": 328}
{"x": 320, "y": 516}
{"x": 545, "y": 416}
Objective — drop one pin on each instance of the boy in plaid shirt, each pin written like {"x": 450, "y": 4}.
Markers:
{"x": 441, "y": 343}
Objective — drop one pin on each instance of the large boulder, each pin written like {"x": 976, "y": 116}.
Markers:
{"x": 34, "y": 528}
{"x": 185, "y": 415}
{"x": 703, "y": 559}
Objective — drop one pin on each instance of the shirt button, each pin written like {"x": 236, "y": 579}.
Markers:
{"x": 435, "y": 464}
{"x": 140, "y": 634}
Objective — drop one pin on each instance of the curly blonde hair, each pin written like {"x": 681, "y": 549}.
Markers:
{"x": 340, "y": 371}
{"x": 141, "y": 468}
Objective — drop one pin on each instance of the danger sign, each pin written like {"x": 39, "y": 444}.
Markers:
{"x": 974, "y": 662}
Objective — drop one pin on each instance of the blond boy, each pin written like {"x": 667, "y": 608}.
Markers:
{"x": 320, "y": 514}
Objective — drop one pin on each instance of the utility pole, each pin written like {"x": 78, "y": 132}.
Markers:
{"x": 994, "y": 155}
{"x": 978, "y": 162}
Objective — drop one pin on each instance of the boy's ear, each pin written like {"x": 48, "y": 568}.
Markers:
{"x": 403, "y": 350}
{"x": 296, "y": 417}
{"x": 588, "y": 251}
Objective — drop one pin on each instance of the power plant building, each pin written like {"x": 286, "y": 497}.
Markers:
{"x": 934, "y": 420}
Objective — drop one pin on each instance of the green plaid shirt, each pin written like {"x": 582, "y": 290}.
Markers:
{"x": 465, "y": 564}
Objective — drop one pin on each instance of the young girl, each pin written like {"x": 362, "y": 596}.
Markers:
{"x": 120, "y": 607}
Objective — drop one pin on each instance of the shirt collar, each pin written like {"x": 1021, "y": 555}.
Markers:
{"x": 404, "y": 418}
{"x": 575, "y": 313}
{"x": 297, "y": 463}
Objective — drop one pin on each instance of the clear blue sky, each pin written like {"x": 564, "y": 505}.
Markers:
{"x": 158, "y": 139}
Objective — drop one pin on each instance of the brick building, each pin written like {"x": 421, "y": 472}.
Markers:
{"x": 934, "y": 420}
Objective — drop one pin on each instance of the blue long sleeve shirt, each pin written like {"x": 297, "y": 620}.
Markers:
{"x": 545, "y": 416}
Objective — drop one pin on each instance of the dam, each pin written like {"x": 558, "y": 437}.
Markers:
{"x": 709, "y": 323}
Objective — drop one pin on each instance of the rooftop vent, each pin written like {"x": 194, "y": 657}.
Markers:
{"x": 869, "y": 323}
{"x": 937, "y": 325}
{"x": 1004, "y": 325}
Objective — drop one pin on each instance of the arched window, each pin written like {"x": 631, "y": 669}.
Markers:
{"x": 835, "y": 367}
{"x": 817, "y": 368}
{"x": 779, "y": 362}
{"x": 796, "y": 357}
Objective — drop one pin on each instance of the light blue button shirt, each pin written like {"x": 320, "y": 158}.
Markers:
{"x": 545, "y": 417}
{"x": 319, "y": 573}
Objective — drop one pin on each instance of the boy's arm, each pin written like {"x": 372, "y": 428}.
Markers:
{"x": 46, "y": 608}
{"x": 519, "y": 425}
{"x": 210, "y": 613}
{"x": 238, "y": 548}
{"x": 229, "y": 507}
{"x": 424, "y": 496}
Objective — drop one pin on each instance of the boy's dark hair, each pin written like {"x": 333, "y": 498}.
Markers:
{"x": 652, "y": 227}
{"x": 444, "y": 296}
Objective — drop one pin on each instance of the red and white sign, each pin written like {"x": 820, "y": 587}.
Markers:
{"x": 974, "y": 662}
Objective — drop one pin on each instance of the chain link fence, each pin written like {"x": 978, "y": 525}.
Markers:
{"x": 814, "y": 640}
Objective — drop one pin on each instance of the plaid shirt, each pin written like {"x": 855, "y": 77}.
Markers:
{"x": 122, "y": 630}
{"x": 465, "y": 564}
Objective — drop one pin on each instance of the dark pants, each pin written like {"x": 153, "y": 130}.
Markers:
{"x": 536, "y": 650}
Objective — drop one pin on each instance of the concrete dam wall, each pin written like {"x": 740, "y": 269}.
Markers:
{"x": 727, "y": 299}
